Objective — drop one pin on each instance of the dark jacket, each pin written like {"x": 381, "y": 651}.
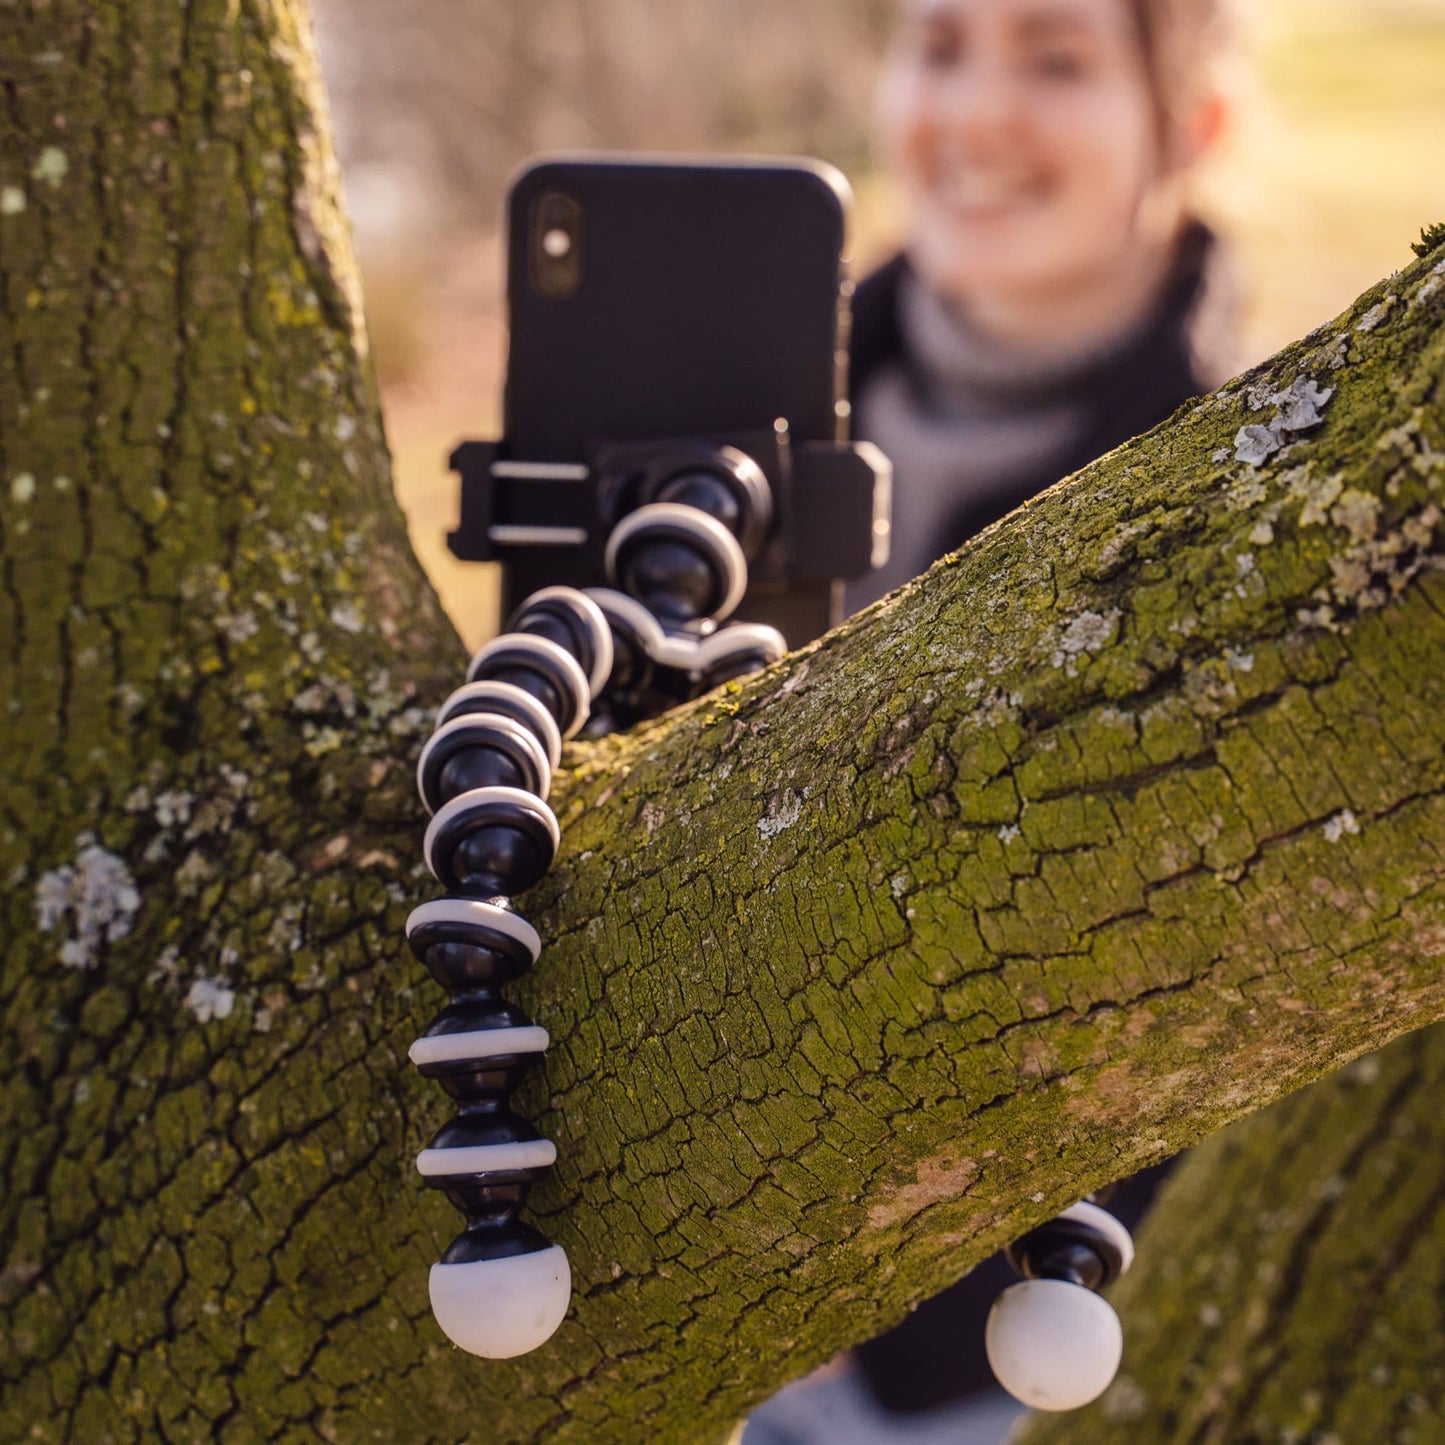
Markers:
{"x": 1181, "y": 352}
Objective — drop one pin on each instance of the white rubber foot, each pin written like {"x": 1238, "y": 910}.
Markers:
{"x": 1053, "y": 1345}
{"x": 498, "y": 1308}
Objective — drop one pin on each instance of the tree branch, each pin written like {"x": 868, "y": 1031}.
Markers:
{"x": 1294, "y": 1271}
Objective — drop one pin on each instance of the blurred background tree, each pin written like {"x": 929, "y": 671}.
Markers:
{"x": 436, "y": 101}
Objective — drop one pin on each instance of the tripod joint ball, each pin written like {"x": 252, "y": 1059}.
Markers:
{"x": 1053, "y": 1342}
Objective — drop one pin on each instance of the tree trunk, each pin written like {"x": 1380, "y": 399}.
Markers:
{"x": 1311, "y": 1312}
{"x": 1117, "y": 826}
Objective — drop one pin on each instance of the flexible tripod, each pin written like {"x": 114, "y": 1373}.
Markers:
{"x": 613, "y": 655}
{"x": 603, "y": 658}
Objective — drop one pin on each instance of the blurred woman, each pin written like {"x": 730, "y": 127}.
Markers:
{"x": 1055, "y": 297}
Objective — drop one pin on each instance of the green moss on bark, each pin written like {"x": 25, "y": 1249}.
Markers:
{"x": 1289, "y": 1281}
{"x": 1059, "y": 859}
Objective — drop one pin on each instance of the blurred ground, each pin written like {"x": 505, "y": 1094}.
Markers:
{"x": 1332, "y": 168}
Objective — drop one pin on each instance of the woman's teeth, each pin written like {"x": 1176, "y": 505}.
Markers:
{"x": 975, "y": 190}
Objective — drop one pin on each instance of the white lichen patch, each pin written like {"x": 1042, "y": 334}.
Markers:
{"x": 173, "y": 807}
{"x": 238, "y": 627}
{"x": 209, "y": 999}
{"x": 22, "y": 489}
{"x": 325, "y": 695}
{"x": 1358, "y": 513}
{"x": 195, "y": 871}
{"x": 322, "y": 741}
{"x": 97, "y": 896}
{"x": 1343, "y": 822}
{"x": 1248, "y": 491}
{"x": 997, "y": 706}
{"x": 782, "y": 814}
{"x": 410, "y": 722}
{"x": 1262, "y": 534}
{"x": 1319, "y": 495}
{"x": 1376, "y": 314}
{"x": 1301, "y": 404}
{"x": 1337, "y": 353}
{"x": 51, "y": 168}
{"x": 347, "y": 617}
{"x": 236, "y": 780}
{"x": 1254, "y": 445}
{"x": 1209, "y": 686}
{"x": 166, "y": 969}
{"x": 1088, "y": 632}
{"x": 1372, "y": 571}
{"x": 1322, "y": 617}
{"x": 1117, "y": 545}
{"x": 1298, "y": 408}
{"x": 12, "y": 200}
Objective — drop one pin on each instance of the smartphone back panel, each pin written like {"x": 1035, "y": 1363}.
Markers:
{"x": 692, "y": 300}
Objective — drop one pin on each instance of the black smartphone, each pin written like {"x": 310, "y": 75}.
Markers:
{"x": 653, "y": 301}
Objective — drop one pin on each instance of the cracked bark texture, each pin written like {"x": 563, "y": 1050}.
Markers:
{"x": 1292, "y": 1276}
{"x": 1118, "y": 826}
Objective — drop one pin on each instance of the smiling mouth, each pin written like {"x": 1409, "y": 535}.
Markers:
{"x": 980, "y": 193}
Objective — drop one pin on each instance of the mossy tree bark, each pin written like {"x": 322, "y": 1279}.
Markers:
{"x": 1293, "y": 1276}
{"x": 1117, "y": 826}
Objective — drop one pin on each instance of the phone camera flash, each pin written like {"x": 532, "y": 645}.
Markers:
{"x": 556, "y": 243}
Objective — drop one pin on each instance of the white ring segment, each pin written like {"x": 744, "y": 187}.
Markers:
{"x": 478, "y": 1044}
{"x": 539, "y": 719}
{"x": 601, "y": 632}
{"x": 473, "y": 798}
{"x": 1096, "y": 1217}
{"x": 685, "y": 653}
{"x": 487, "y": 1158}
{"x": 473, "y": 719}
{"x": 478, "y": 911}
{"x": 541, "y": 647}
{"x": 735, "y": 638}
{"x": 630, "y": 611}
{"x": 498, "y": 1308}
{"x": 723, "y": 545}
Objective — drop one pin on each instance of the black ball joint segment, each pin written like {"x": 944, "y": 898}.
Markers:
{"x": 679, "y": 566}
{"x": 500, "y": 1289}
{"x": 1052, "y": 1341}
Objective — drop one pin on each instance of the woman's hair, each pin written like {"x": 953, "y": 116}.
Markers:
{"x": 1183, "y": 42}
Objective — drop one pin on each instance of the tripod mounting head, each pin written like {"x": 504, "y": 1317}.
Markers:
{"x": 804, "y": 518}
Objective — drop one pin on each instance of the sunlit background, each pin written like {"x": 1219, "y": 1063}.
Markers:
{"x": 1333, "y": 166}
